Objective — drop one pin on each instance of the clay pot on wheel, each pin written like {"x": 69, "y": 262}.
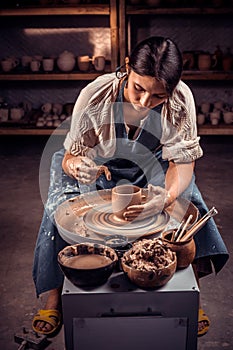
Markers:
{"x": 185, "y": 251}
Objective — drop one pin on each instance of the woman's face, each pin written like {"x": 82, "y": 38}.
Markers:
{"x": 144, "y": 91}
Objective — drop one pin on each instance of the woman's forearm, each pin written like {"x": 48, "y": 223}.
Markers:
{"x": 178, "y": 178}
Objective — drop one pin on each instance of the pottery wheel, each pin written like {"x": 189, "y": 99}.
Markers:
{"x": 73, "y": 221}
{"x": 102, "y": 221}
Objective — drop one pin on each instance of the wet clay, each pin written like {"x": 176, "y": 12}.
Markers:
{"x": 87, "y": 261}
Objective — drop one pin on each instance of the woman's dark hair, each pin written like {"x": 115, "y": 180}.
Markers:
{"x": 160, "y": 58}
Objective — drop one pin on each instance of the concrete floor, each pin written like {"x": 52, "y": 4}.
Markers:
{"x": 21, "y": 210}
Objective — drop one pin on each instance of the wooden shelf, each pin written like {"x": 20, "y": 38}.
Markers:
{"x": 48, "y": 76}
{"x": 25, "y": 131}
{"x": 207, "y": 75}
{"x": 142, "y": 10}
{"x": 187, "y": 75}
{"x": 221, "y": 129}
{"x": 94, "y": 9}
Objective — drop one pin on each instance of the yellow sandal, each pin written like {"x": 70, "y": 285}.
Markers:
{"x": 203, "y": 318}
{"x": 51, "y": 316}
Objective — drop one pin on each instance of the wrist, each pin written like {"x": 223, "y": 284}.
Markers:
{"x": 69, "y": 167}
{"x": 169, "y": 199}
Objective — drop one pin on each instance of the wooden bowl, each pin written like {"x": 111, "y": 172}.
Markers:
{"x": 149, "y": 279}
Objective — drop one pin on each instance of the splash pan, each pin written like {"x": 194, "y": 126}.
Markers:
{"x": 88, "y": 218}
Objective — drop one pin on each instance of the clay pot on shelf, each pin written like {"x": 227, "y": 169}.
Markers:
{"x": 206, "y": 61}
{"x": 185, "y": 251}
{"x": 227, "y": 61}
{"x": 200, "y": 119}
{"x": 228, "y": 117}
{"x": 66, "y": 61}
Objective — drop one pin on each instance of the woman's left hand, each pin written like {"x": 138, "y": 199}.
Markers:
{"x": 156, "y": 203}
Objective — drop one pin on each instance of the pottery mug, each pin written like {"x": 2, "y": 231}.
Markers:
{"x": 35, "y": 65}
{"x": 16, "y": 113}
{"x": 98, "y": 62}
{"x": 7, "y": 65}
{"x": 214, "y": 117}
{"x": 205, "y": 107}
{"x": 228, "y": 117}
{"x": 57, "y": 108}
{"x": 48, "y": 64}
{"x": 200, "y": 118}
{"x": 218, "y": 105}
{"x": 83, "y": 63}
{"x": 206, "y": 61}
{"x": 47, "y": 108}
{"x": 122, "y": 197}
{"x": 4, "y": 113}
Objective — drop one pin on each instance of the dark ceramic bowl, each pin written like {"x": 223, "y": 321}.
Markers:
{"x": 87, "y": 264}
{"x": 156, "y": 278}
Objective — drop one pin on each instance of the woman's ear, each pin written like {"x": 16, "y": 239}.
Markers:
{"x": 127, "y": 65}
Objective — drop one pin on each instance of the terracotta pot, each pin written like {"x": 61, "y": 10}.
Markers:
{"x": 227, "y": 63}
{"x": 185, "y": 251}
{"x": 206, "y": 61}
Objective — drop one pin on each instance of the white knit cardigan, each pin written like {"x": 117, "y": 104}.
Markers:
{"x": 92, "y": 130}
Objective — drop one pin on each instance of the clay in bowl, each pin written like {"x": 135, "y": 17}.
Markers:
{"x": 149, "y": 263}
{"x": 87, "y": 264}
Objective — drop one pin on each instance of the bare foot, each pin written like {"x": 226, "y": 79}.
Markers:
{"x": 53, "y": 302}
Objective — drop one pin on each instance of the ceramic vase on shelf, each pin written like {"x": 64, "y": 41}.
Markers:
{"x": 66, "y": 61}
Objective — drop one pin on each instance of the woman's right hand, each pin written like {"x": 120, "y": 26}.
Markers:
{"x": 85, "y": 170}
